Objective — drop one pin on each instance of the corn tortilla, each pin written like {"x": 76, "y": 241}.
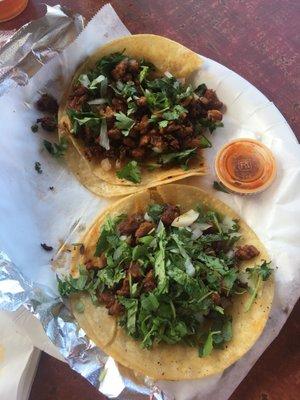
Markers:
{"x": 166, "y": 55}
{"x": 174, "y": 362}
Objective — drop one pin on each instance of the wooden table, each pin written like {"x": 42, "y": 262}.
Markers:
{"x": 258, "y": 39}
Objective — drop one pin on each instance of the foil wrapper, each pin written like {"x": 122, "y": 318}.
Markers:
{"x": 62, "y": 329}
{"x": 36, "y": 43}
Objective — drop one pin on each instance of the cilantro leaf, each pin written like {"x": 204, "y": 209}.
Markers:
{"x": 207, "y": 347}
{"x": 57, "y": 150}
{"x": 204, "y": 142}
{"x": 257, "y": 275}
{"x": 124, "y": 123}
{"x": 106, "y": 64}
{"x": 175, "y": 113}
{"x": 154, "y": 211}
{"x": 131, "y": 172}
{"x": 220, "y": 187}
{"x": 177, "y": 157}
{"x": 200, "y": 90}
{"x": 143, "y": 72}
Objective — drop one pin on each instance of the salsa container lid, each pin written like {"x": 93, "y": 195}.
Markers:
{"x": 245, "y": 166}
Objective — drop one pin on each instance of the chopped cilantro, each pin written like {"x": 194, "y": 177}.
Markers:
{"x": 175, "y": 113}
{"x": 257, "y": 275}
{"x": 124, "y": 123}
{"x": 143, "y": 73}
{"x": 220, "y": 187}
{"x": 176, "y": 157}
{"x": 200, "y": 90}
{"x": 131, "y": 172}
{"x": 57, "y": 150}
{"x": 106, "y": 64}
{"x": 191, "y": 279}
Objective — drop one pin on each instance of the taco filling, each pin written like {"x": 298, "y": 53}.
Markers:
{"x": 170, "y": 276}
{"x": 129, "y": 117}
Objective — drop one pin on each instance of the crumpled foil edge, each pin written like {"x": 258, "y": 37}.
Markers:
{"x": 62, "y": 329}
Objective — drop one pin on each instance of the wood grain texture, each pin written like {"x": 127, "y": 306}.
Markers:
{"x": 260, "y": 40}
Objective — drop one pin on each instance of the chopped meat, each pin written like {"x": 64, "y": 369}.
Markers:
{"x": 147, "y": 137}
{"x": 142, "y": 101}
{"x": 133, "y": 66}
{"x": 135, "y": 270}
{"x": 138, "y": 152}
{"x": 196, "y": 109}
{"x": 149, "y": 283}
{"x": 47, "y": 103}
{"x": 214, "y": 102}
{"x": 173, "y": 127}
{"x": 116, "y": 309}
{"x": 144, "y": 140}
{"x": 169, "y": 214}
{"x": 48, "y": 123}
{"x": 120, "y": 69}
{"x": 130, "y": 224}
{"x": 144, "y": 229}
{"x": 127, "y": 78}
{"x": 129, "y": 142}
{"x": 89, "y": 265}
{"x": 92, "y": 152}
{"x": 118, "y": 104}
{"x": 204, "y": 101}
{"x": 114, "y": 134}
{"x": 186, "y": 131}
{"x": 214, "y": 115}
{"x": 216, "y": 298}
{"x": 96, "y": 263}
{"x": 102, "y": 261}
{"x": 143, "y": 124}
{"x": 80, "y": 90}
{"x": 108, "y": 113}
{"x": 108, "y": 298}
{"x": 78, "y": 97}
{"x": 174, "y": 144}
{"x": 246, "y": 252}
{"x": 157, "y": 143}
{"x": 186, "y": 101}
{"x": 192, "y": 143}
{"x": 125, "y": 288}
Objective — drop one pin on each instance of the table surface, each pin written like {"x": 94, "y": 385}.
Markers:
{"x": 259, "y": 39}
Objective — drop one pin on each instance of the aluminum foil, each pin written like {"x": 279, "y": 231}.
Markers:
{"x": 36, "y": 43}
{"x": 62, "y": 329}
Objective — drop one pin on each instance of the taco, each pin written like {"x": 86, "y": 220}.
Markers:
{"x": 171, "y": 283}
{"x": 133, "y": 118}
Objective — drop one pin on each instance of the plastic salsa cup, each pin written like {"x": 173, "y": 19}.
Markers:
{"x": 245, "y": 166}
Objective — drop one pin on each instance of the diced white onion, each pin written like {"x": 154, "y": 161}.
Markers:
{"x": 103, "y": 138}
{"x": 147, "y": 217}
{"x": 189, "y": 268}
{"x": 197, "y": 232}
{"x": 105, "y": 164}
{"x": 160, "y": 226}
{"x": 118, "y": 164}
{"x": 185, "y": 219}
{"x": 97, "y": 102}
{"x": 168, "y": 74}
